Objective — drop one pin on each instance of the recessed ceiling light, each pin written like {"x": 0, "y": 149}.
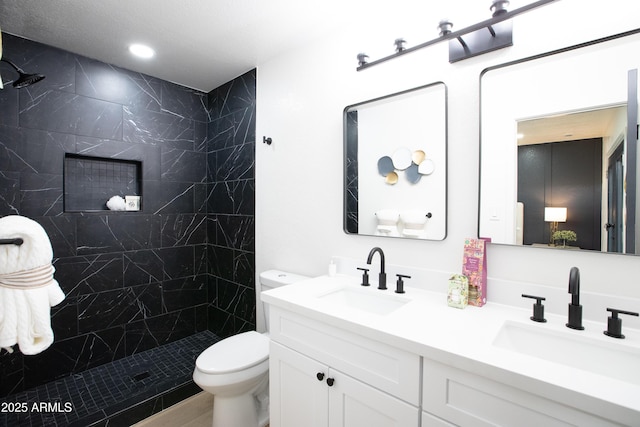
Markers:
{"x": 141, "y": 51}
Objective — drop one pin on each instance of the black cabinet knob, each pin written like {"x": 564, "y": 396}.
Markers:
{"x": 330, "y": 382}
{"x": 320, "y": 376}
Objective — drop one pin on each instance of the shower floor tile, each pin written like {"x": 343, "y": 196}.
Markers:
{"x": 95, "y": 395}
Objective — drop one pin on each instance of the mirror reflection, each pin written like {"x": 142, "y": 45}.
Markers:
{"x": 563, "y": 194}
{"x": 558, "y": 154}
{"x": 395, "y": 159}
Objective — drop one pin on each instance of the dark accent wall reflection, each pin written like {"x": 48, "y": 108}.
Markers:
{"x": 133, "y": 280}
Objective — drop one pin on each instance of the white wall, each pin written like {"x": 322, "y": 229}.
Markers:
{"x": 300, "y": 99}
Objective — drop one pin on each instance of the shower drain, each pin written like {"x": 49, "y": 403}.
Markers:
{"x": 141, "y": 376}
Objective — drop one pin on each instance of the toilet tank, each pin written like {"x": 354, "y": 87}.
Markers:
{"x": 273, "y": 279}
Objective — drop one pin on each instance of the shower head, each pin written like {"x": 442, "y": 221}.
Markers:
{"x": 24, "y": 79}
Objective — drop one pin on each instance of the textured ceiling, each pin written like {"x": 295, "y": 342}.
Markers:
{"x": 204, "y": 43}
{"x": 199, "y": 43}
{"x": 570, "y": 127}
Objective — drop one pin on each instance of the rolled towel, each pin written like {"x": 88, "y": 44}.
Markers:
{"x": 28, "y": 289}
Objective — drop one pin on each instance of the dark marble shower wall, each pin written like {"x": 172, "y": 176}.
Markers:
{"x": 133, "y": 280}
{"x": 231, "y": 136}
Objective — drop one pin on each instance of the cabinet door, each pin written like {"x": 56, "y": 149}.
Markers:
{"x": 298, "y": 396}
{"x": 355, "y": 404}
{"x": 466, "y": 399}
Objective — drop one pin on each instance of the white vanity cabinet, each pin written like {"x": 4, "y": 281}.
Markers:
{"x": 322, "y": 376}
{"x": 344, "y": 362}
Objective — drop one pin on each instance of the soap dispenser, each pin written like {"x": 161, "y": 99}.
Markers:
{"x": 333, "y": 268}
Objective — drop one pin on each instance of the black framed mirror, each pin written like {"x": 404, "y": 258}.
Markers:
{"x": 395, "y": 165}
{"x": 558, "y": 134}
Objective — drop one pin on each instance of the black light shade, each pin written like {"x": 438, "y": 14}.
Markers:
{"x": 23, "y": 79}
{"x": 498, "y": 7}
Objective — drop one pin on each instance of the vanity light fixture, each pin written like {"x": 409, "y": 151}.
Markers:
{"x": 485, "y": 36}
{"x": 141, "y": 51}
{"x": 499, "y": 7}
{"x": 445, "y": 27}
{"x": 362, "y": 59}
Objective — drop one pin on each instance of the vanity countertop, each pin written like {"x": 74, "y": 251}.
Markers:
{"x": 464, "y": 338}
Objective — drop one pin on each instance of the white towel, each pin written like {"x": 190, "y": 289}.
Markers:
{"x": 27, "y": 287}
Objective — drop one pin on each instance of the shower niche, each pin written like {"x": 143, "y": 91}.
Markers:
{"x": 89, "y": 182}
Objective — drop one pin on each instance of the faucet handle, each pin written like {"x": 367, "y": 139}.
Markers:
{"x": 365, "y": 276}
{"x": 614, "y": 323}
{"x": 538, "y": 308}
{"x": 400, "y": 283}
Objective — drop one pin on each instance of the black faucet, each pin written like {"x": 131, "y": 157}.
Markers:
{"x": 382, "y": 277}
{"x": 575, "y": 309}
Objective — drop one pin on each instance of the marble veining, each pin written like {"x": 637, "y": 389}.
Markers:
{"x": 100, "y": 233}
{"x": 236, "y": 231}
{"x": 233, "y": 129}
{"x": 40, "y": 194}
{"x": 235, "y": 163}
{"x": 159, "y": 330}
{"x": 183, "y": 229}
{"x": 9, "y": 193}
{"x": 150, "y": 127}
{"x": 182, "y": 293}
{"x": 133, "y": 280}
{"x": 8, "y": 107}
{"x": 235, "y": 95}
{"x": 232, "y": 298}
{"x": 110, "y": 83}
{"x": 122, "y": 306}
{"x": 59, "y": 111}
{"x": 221, "y": 197}
{"x": 184, "y": 102}
{"x": 57, "y": 65}
{"x": 42, "y": 151}
{"x": 178, "y": 197}
{"x": 142, "y": 267}
{"x": 183, "y": 165}
{"x": 82, "y": 275}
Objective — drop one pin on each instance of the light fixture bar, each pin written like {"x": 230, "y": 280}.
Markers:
{"x": 488, "y": 23}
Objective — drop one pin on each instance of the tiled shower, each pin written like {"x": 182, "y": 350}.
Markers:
{"x": 134, "y": 281}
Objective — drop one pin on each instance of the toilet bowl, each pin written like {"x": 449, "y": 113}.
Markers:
{"x": 236, "y": 370}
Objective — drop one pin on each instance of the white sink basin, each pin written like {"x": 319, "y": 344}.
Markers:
{"x": 365, "y": 300}
{"x": 604, "y": 356}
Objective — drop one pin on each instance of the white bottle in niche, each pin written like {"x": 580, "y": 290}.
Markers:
{"x": 132, "y": 203}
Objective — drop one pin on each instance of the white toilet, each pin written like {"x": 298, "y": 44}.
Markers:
{"x": 236, "y": 369}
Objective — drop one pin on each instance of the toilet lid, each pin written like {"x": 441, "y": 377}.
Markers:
{"x": 235, "y": 353}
